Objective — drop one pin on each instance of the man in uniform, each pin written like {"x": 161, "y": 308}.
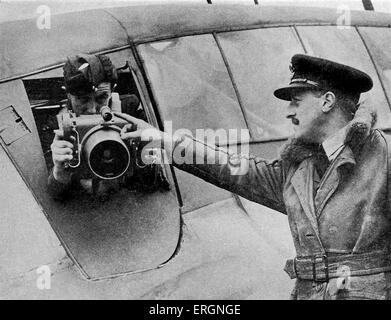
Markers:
{"x": 332, "y": 180}
{"x": 89, "y": 83}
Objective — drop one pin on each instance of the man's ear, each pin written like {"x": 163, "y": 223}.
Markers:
{"x": 328, "y": 101}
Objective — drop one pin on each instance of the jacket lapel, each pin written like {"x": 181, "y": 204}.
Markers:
{"x": 330, "y": 181}
{"x": 302, "y": 182}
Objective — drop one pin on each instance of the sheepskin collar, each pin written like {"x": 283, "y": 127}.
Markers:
{"x": 358, "y": 130}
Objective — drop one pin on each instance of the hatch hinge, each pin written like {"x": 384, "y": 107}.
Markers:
{"x": 12, "y": 125}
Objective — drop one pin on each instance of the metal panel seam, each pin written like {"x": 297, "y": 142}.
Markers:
{"x": 235, "y": 87}
{"x": 300, "y": 38}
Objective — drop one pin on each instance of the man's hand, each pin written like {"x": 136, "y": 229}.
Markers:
{"x": 138, "y": 129}
{"x": 62, "y": 151}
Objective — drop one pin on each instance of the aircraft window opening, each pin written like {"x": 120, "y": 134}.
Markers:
{"x": 47, "y": 97}
{"x": 109, "y": 226}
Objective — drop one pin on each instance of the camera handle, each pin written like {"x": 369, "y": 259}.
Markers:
{"x": 71, "y": 135}
{"x": 75, "y": 162}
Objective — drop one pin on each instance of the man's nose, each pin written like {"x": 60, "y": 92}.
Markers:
{"x": 91, "y": 107}
{"x": 291, "y": 112}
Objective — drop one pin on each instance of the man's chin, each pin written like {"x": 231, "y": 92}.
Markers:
{"x": 296, "y": 133}
{"x": 303, "y": 137}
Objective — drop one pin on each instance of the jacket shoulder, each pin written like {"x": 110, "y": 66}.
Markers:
{"x": 383, "y": 136}
{"x": 383, "y": 139}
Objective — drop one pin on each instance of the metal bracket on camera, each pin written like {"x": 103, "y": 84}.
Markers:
{"x": 72, "y": 132}
{"x": 134, "y": 146}
{"x": 67, "y": 123}
{"x": 75, "y": 162}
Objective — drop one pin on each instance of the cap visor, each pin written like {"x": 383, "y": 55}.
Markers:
{"x": 285, "y": 93}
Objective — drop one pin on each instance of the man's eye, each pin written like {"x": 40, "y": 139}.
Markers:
{"x": 101, "y": 100}
{"x": 84, "y": 99}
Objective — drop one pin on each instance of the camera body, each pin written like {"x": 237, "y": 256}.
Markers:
{"x": 97, "y": 144}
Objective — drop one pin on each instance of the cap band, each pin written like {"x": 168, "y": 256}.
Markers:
{"x": 305, "y": 81}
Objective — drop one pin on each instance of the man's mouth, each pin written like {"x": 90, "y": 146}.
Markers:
{"x": 293, "y": 118}
{"x": 295, "y": 121}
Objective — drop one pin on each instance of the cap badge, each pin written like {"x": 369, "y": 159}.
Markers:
{"x": 83, "y": 66}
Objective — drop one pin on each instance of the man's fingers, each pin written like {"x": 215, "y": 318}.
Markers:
{"x": 56, "y": 150}
{"x": 129, "y": 127}
{"x": 59, "y": 134}
{"x": 130, "y": 135}
{"x": 150, "y": 134}
{"x": 126, "y": 117}
{"x": 61, "y": 144}
{"x": 62, "y": 158}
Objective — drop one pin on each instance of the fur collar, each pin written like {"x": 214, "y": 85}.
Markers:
{"x": 358, "y": 130}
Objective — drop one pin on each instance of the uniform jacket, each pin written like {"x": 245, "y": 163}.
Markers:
{"x": 349, "y": 215}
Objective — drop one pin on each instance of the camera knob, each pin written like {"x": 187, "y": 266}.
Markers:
{"x": 106, "y": 113}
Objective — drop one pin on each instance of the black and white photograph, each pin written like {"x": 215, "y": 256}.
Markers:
{"x": 216, "y": 151}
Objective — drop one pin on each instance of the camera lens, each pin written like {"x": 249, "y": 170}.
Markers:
{"x": 109, "y": 159}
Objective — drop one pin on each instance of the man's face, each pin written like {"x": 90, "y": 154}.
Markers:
{"x": 306, "y": 114}
{"x": 91, "y": 103}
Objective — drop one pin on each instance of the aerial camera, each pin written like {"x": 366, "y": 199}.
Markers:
{"x": 97, "y": 144}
